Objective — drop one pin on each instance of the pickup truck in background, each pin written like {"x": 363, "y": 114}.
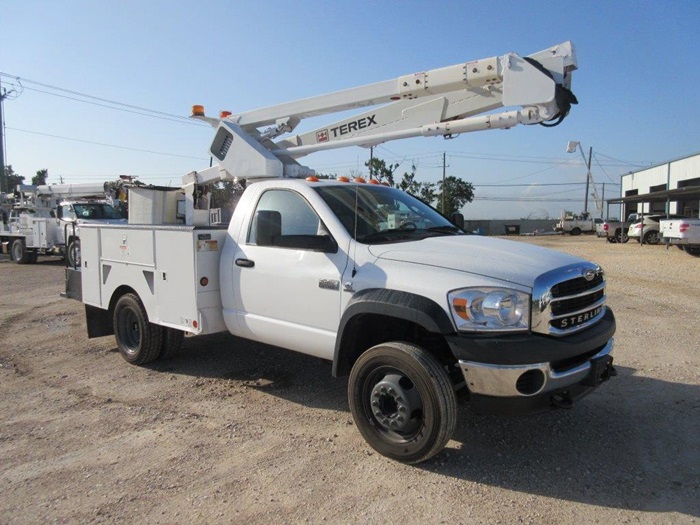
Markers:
{"x": 577, "y": 224}
{"x": 615, "y": 231}
{"x": 647, "y": 227}
{"x": 684, "y": 233}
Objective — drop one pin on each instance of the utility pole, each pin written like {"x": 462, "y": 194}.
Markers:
{"x": 443, "y": 183}
{"x": 371, "y": 160}
{"x": 3, "y": 94}
{"x": 588, "y": 176}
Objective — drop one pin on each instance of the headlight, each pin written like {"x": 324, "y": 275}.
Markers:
{"x": 490, "y": 309}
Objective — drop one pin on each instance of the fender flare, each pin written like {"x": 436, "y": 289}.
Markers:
{"x": 390, "y": 303}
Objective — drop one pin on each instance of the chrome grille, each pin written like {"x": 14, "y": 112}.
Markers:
{"x": 568, "y": 300}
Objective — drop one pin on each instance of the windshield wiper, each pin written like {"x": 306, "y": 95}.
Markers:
{"x": 393, "y": 234}
{"x": 447, "y": 228}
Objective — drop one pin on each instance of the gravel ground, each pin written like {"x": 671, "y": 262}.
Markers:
{"x": 230, "y": 431}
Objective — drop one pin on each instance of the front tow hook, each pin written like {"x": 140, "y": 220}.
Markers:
{"x": 562, "y": 400}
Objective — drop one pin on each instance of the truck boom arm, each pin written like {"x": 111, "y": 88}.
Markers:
{"x": 444, "y": 101}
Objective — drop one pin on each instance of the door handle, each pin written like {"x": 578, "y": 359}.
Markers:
{"x": 245, "y": 263}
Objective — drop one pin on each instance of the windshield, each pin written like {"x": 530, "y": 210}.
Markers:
{"x": 384, "y": 214}
{"x": 95, "y": 211}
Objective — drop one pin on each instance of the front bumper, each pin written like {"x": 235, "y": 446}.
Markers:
{"x": 528, "y": 380}
{"x": 527, "y": 373}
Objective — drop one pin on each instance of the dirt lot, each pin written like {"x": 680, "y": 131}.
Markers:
{"x": 233, "y": 432}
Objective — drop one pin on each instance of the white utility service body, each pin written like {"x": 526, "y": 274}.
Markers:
{"x": 364, "y": 275}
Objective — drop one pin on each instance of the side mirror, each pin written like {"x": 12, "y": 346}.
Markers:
{"x": 458, "y": 220}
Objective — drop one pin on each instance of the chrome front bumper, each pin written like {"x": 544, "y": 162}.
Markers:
{"x": 525, "y": 380}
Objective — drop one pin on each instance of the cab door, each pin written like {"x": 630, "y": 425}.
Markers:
{"x": 287, "y": 276}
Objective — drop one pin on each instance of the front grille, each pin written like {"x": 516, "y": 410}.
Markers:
{"x": 575, "y": 304}
{"x": 576, "y": 286}
{"x": 565, "y": 301}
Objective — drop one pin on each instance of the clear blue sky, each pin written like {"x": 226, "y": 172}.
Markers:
{"x": 637, "y": 84}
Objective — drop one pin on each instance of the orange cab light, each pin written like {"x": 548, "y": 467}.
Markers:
{"x": 311, "y": 179}
{"x": 360, "y": 180}
{"x": 385, "y": 183}
{"x": 225, "y": 114}
{"x": 343, "y": 179}
{"x": 373, "y": 181}
{"x": 195, "y": 324}
{"x": 197, "y": 110}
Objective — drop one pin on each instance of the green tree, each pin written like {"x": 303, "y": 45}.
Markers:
{"x": 9, "y": 180}
{"x": 457, "y": 193}
{"x": 423, "y": 190}
{"x": 378, "y": 169}
{"x": 40, "y": 178}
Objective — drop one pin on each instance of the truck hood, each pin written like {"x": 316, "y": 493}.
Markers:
{"x": 509, "y": 261}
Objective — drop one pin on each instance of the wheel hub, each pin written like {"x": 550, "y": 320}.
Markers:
{"x": 391, "y": 404}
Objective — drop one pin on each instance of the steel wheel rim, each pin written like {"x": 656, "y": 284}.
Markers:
{"x": 394, "y": 404}
{"x": 17, "y": 251}
{"x": 129, "y": 330}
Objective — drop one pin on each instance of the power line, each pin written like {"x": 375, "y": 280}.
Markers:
{"x": 92, "y": 97}
{"x": 171, "y": 119}
{"x": 107, "y": 145}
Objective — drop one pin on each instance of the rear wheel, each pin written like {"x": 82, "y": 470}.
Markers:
{"x": 19, "y": 252}
{"x": 138, "y": 341}
{"x": 651, "y": 237}
{"x": 73, "y": 253}
{"x": 621, "y": 236}
{"x": 576, "y": 231}
{"x": 402, "y": 401}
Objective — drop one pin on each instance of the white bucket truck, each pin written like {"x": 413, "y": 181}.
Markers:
{"x": 364, "y": 275}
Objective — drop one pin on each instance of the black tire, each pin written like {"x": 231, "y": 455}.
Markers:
{"x": 611, "y": 240}
{"x": 138, "y": 341}
{"x": 393, "y": 380}
{"x": 73, "y": 253}
{"x": 693, "y": 250}
{"x": 33, "y": 256}
{"x": 172, "y": 342}
{"x": 576, "y": 231}
{"x": 621, "y": 236}
{"x": 19, "y": 252}
{"x": 652, "y": 237}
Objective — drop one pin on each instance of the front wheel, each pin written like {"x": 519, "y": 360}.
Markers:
{"x": 576, "y": 231}
{"x": 693, "y": 250}
{"x": 402, "y": 401}
{"x": 139, "y": 341}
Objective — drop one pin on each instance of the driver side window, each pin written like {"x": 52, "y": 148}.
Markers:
{"x": 283, "y": 214}
{"x": 67, "y": 213}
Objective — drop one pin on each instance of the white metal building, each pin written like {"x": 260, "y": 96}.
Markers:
{"x": 669, "y": 187}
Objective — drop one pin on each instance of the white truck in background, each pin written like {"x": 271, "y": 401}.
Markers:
{"x": 363, "y": 275}
{"x": 576, "y": 224}
{"x": 46, "y": 219}
{"x": 615, "y": 231}
{"x": 684, "y": 233}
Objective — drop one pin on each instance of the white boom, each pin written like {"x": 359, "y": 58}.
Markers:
{"x": 444, "y": 101}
